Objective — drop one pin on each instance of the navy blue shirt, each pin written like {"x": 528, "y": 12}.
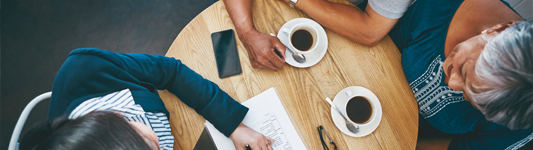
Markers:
{"x": 89, "y": 73}
{"x": 420, "y": 36}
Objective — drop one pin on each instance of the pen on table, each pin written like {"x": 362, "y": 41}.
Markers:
{"x": 248, "y": 147}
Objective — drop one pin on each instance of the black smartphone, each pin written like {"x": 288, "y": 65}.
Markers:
{"x": 226, "y": 55}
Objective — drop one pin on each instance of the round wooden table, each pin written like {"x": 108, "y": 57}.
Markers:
{"x": 302, "y": 91}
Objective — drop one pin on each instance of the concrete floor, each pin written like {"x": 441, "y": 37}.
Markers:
{"x": 37, "y": 36}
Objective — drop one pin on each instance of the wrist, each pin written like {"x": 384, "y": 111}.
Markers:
{"x": 235, "y": 132}
{"x": 245, "y": 34}
{"x": 245, "y": 30}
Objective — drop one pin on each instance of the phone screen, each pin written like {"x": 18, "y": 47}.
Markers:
{"x": 226, "y": 55}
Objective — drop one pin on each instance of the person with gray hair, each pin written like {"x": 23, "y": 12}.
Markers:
{"x": 505, "y": 67}
{"x": 470, "y": 66}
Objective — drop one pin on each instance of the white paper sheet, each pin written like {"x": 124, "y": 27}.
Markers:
{"x": 267, "y": 115}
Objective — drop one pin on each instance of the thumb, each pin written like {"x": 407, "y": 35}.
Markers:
{"x": 279, "y": 47}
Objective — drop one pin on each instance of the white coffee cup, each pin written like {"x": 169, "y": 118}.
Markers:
{"x": 350, "y": 96}
{"x": 290, "y": 31}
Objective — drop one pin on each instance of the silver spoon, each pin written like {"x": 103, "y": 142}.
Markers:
{"x": 351, "y": 126}
{"x": 298, "y": 57}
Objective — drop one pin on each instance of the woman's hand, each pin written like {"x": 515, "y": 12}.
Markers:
{"x": 261, "y": 50}
{"x": 244, "y": 135}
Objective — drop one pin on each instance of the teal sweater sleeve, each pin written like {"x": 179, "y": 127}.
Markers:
{"x": 92, "y": 72}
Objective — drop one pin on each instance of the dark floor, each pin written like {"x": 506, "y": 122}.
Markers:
{"x": 37, "y": 36}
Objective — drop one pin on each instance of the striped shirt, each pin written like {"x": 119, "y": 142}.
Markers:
{"x": 122, "y": 102}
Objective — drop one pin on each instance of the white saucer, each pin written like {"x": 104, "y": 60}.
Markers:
{"x": 310, "y": 58}
{"x": 340, "y": 101}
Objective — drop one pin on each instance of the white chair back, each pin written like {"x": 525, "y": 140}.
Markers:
{"x": 13, "y": 144}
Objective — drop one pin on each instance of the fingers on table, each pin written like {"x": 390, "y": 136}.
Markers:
{"x": 270, "y": 143}
{"x": 240, "y": 147}
{"x": 264, "y": 62}
{"x": 254, "y": 63}
{"x": 265, "y": 143}
{"x": 275, "y": 60}
{"x": 270, "y": 140}
{"x": 279, "y": 47}
{"x": 260, "y": 62}
{"x": 258, "y": 146}
{"x": 271, "y": 61}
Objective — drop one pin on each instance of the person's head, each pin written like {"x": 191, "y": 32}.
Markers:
{"x": 495, "y": 72}
{"x": 93, "y": 131}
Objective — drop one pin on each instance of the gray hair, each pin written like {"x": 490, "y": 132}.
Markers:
{"x": 505, "y": 67}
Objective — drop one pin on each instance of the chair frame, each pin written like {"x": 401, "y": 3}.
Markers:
{"x": 13, "y": 144}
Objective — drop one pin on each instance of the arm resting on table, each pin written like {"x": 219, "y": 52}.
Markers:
{"x": 198, "y": 93}
{"x": 261, "y": 47}
{"x": 365, "y": 27}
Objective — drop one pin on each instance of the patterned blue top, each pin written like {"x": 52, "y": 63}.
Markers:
{"x": 432, "y": 95}
{"x": 420, "y": 36}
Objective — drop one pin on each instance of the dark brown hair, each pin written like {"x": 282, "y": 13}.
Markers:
{"x": 97, "y": 130}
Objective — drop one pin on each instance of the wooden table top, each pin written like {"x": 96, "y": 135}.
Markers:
{"x": 302, "y": 91}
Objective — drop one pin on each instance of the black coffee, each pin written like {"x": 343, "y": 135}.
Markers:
{"x": 359, "y": 109}
{"x": 302, "y": 40}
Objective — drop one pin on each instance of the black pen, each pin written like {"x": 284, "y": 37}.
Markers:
{"x": 248, "y": 147}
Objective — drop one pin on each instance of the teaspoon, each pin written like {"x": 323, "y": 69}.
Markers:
{"x": 351, "y": 126}
{"x": 298, "y": 57}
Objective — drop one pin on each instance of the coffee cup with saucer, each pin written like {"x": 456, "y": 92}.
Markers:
{"x": 317, "y": 50}
{"x": 309, "y": 41}
{"x": 341, "y": 101}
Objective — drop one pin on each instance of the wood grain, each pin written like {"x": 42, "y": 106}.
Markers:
{"x": 302, "y": 91}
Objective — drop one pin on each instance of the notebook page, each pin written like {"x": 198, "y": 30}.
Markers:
{"x": 267, "y": 115}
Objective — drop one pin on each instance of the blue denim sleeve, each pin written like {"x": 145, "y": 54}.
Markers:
{"x": 159, "y": 72}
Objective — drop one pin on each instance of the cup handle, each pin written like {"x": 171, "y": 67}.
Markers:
{"x": 349, "y": 93}
{"x": 285, "y": 30}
